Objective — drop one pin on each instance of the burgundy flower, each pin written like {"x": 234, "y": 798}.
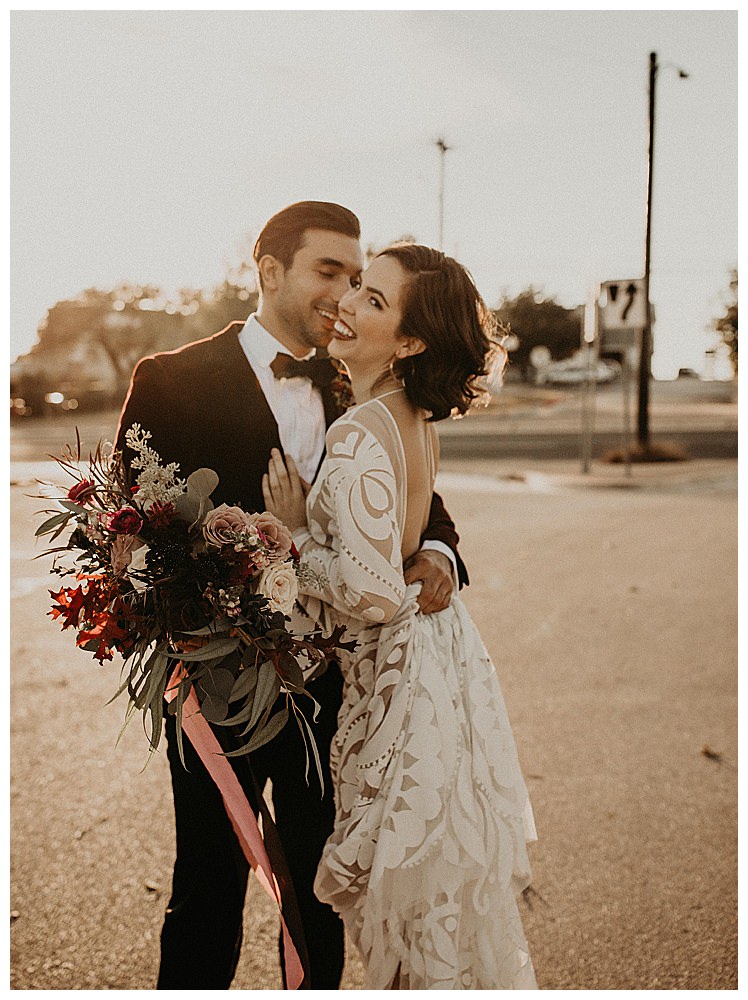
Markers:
{"x": 125, "y": 521}
{"x": 82, "y": 491}
{"x": 160, "y": 514}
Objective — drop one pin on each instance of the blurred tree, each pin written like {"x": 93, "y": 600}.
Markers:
{"x": 89, "y": 345}
{"x": 372, "y": 249}
{"x": 536, "y": 321}
{"x": 727, "y": 324}
{"x": 234, "y": 299}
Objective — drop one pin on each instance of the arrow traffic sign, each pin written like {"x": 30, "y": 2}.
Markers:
{"x": 622, "y": 305}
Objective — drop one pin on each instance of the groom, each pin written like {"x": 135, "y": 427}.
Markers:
{"x": 225, "y": 403}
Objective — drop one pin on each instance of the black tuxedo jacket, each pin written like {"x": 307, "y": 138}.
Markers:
{"x": 204, "y": 408}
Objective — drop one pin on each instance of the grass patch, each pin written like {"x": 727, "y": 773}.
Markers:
{"x": 655, "y": 451}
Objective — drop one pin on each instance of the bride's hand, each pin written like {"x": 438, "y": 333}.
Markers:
{"x": 285, "y": 491}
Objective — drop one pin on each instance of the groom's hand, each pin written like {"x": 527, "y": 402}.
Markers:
{"x": 435, "y": 571}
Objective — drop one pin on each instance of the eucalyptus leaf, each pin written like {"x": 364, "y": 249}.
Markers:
{"x": 316, "y": 704}
{"x": 186, "y": 506}
{"x": 263, "y": 717}
{"x": 156, "y": 709}
{"x": 264, "y": 735}
{"x": 266, "y": 692}
{"x": 159, "y": 665}
{"x": 184, "y": 690}
{"x": 210, "y": 651}
{"x": 51, "y": 523}
{"x": 210, "y": 629}
{"x": 213, "y": 708}
{"x": 244, "y": 684}
{"x": 203, "y": 482}
{"x": 75, "y": 508}
{"x": 315, "y": 751}
{"x": 60, "y": 529}
{"x": 241, "y": 716}
{"x": 125, "y": 683}
{"x": 130, "y": 711}
{"x": 248, "y": 692}
{"x": 51, "y": 552}
{"x": 291, "y": 673}
{"x": 218, "y": 682}
{"x": 135, "y": 685}
{"x": 205, "y": 506}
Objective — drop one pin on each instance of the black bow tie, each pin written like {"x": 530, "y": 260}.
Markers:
{"x": 320, "y": 371}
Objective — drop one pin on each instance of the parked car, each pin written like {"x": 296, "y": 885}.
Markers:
{"x": 575, "y": 370}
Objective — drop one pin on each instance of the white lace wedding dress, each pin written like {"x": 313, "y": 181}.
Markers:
{"x": 432, "y": 814}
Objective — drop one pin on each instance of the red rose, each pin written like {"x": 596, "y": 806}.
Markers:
{"x": 82, "y": 491}
{"x": 125, "y": 521}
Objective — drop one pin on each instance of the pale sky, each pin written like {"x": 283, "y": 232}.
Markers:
{"x": 151, "y": 146}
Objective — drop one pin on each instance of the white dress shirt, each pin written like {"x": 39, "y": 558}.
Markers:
{"x": 295, "y": 403}
{"x": 297, "y": 407}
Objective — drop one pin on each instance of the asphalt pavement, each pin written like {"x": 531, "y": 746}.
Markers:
{"x": 609, "y": 604}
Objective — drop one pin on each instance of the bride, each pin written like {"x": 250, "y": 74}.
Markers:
{"x": 428, "y": 851}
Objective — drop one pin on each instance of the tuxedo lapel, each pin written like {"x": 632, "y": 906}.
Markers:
{"x": 244, "y": 423}
{"x": 247, "y": 424}
{"x": 238, "y": 392}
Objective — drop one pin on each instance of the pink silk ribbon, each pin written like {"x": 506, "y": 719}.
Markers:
{"x": 239, "y": 812}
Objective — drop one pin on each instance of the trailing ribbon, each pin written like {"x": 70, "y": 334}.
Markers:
{"x": 240, "y": 813}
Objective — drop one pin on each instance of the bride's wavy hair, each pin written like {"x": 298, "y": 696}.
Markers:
{"x": 443, "y": 308}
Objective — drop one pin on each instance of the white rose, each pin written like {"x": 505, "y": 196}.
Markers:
{"x": 279, "y": 584}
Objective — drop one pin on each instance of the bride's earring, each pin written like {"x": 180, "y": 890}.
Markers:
{"x": 393, "y": 373}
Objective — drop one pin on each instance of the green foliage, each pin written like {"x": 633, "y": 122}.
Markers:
{"x": 538, "y": 321}
{"x": 727, "y": 324}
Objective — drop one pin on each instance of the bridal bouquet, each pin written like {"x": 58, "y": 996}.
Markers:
{"x": 167, "y": 580}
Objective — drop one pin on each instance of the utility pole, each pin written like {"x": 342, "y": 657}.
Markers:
{"x": 443, "y": 150}
{"x": 645, "y": 358}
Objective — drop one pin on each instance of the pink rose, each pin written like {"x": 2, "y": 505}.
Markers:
{"x": 274, "y": 534}
{"x": 120, "y": 552}
{"x": 82, "y": 491}
{"x": 125, "y": 521}
{"x": 224, "y": 525}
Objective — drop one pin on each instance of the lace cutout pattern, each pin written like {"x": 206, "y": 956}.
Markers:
{"x": 428, "y": 851}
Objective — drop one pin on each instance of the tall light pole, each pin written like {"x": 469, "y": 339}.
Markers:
{"x": 443, "y": 150}
{"x": 645, "y": 358}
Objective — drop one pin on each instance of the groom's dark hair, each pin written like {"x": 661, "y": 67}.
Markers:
{"x": 283, "y": 235}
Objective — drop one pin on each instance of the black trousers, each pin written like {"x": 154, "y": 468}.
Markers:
{"x": 202, "y": 933}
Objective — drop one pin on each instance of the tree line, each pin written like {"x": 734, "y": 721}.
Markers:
{"x": 88, "y": 346}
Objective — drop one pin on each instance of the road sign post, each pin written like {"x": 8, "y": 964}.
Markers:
{"x": 626, "y": 379}
{"x": 623, "y": 319}
{"x": 589, "y": 337}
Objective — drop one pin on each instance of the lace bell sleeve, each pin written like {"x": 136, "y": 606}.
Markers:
{"x": 350, "y": 554}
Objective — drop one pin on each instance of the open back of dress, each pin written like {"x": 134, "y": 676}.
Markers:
{"x": 432, "y": 814}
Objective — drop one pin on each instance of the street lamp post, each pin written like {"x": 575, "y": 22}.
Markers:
{"x": 443, "y": 150}
{"x": 645, "y": 357}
